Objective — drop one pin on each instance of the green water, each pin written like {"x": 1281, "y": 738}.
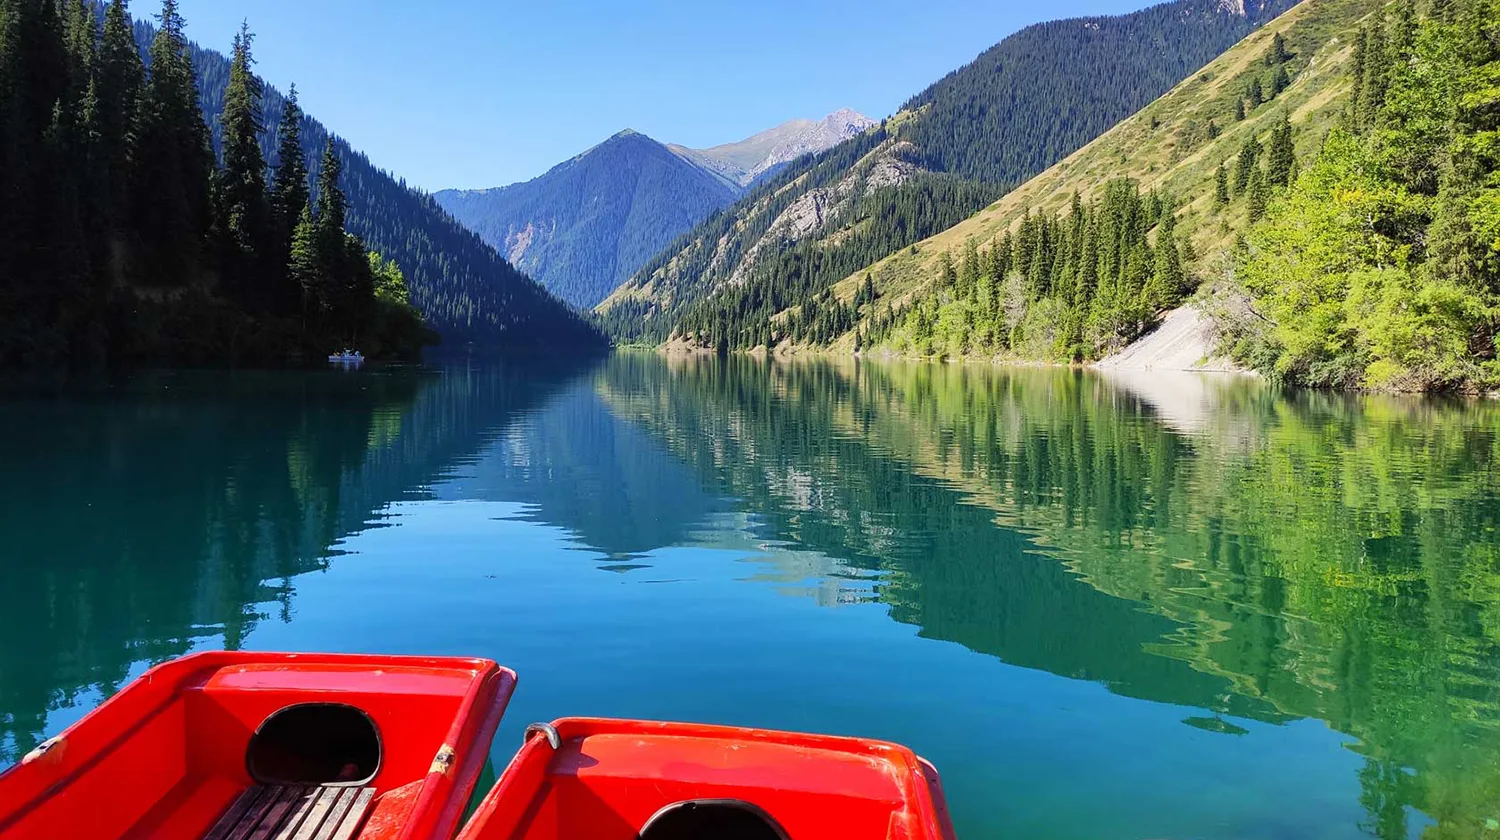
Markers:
{"x": 1156, "y": 606}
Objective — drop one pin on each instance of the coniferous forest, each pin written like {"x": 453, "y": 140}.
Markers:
{"x": 133, "y": 227}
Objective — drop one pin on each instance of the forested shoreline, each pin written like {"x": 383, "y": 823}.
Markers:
{"x": 125, "y": 239}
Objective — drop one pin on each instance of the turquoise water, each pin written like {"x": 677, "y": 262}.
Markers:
{"x": 1104, "y": 606}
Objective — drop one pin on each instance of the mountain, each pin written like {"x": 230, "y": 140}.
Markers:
{"x": 1165, "y": 159}
{"x": 466, "y": 290}
{"x": 750, "y": 160}
{"x": 1021, "y": 106}
{"x": 590, "y": 222}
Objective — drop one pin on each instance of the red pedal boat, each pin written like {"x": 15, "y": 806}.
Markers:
{"x": 255, "y": 746}
{"x": 586, "y": 779}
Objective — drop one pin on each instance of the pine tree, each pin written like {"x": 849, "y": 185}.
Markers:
{"x": 332, "y": 206}
{"x": 948, "y": 276}
{"x": 1280, "y": 81}
{"x": 1245, "y": 165}
{"x": 968, "y": 278}
{"x": 1221, "y": 187}
{"x": 1167, "y": 279}
{"x": 242, "y": 213}
{"x": 1255, "y": 93}
{"x": 1279, "y": 52}
{"x": 118, "y": 81}
{"x": 289, "y": 193}
{"x": 173, "y": 162}
{"x": 1281, "y": 154}
{"x": 1376, "y": 76}
{"x": 1239, "y": 109}
{"x": 1259, "y": 194}
{"x": 306, "y": 269}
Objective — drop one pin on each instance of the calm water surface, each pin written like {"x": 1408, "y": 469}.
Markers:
{"x": 1105, "y": 607}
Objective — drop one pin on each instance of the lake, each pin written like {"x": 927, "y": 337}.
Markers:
{"x": 1105, "y": 605}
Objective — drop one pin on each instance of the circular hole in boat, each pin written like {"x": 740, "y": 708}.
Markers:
{"x": 720, "y": 819}
{"x": 315, "y": 744}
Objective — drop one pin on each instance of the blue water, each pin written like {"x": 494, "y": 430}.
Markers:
{"x": 1103, "y": 607}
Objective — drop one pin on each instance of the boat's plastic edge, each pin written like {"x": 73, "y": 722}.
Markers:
{"x": 156, "y": 688}
{"x": 921, "y": 782}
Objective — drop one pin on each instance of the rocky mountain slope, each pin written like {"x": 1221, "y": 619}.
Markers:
{"x": 758, "y": 157}
{"x": 1026, "y": 103}
{"x": 589, "y": 223}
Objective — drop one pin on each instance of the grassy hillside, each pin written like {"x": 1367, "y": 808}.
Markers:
{"x": 1019, "y": 107}
{"x": 1166, "y": 147}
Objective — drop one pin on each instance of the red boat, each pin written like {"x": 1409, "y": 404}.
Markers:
{"x": 588, "y": 779}
{"x": 233, "y": 746}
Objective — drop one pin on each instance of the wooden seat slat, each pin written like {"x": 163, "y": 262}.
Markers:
{"x": 294, "y": 812}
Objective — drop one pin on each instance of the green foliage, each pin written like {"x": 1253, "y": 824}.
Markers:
{"x": 1053, "y": 288}
{"x": 1380, "y": 268}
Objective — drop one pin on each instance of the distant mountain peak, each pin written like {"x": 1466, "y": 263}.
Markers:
{"x": 747, "y": 161}
{"x": 590, "y": 222}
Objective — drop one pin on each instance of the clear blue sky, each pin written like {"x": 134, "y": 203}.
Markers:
{"x": 481, "y": 93}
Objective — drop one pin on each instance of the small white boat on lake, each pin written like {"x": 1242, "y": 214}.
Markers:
{"x": 348, "y": 358}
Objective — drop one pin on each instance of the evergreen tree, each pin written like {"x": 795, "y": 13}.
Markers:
{"x": 1255, "y": 93}
{"x": 1245, "y": 164}
{"x": 332, "y": 205}
{"x": 968, "y": 277}
{"x": 170, "y": 189}
{"x": 1279, "y": 52}
{"x": 948, "y": 276}
{"x": 118, "y": 81}
{"x": 1167, "y": 279}
{"x": 1239, "y": 109}
{"x": 1280, "y": 81}
{"x": 289, "y": 193}
{"x": 1281, "y": 154}
{"x": 1259, "y": 194}
{"x": 242, "y": 213}
{"x": 1221, "y": 187}
{"x": 306, "y": 270}
{"x": 1376, "y": 78}
{"x": 330, "y": 246}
